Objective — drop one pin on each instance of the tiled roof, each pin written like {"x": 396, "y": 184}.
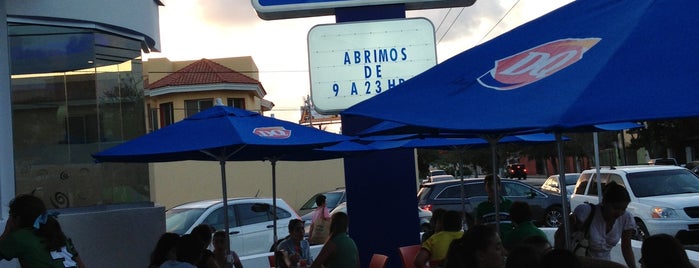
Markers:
{"x": 201, "y": 72}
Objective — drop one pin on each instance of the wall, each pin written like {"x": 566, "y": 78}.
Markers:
{"x": 179, "y": 182}
{"x": 111, "y": 236}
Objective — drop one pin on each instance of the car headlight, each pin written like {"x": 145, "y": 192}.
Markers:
{"x": 663, "y": 213}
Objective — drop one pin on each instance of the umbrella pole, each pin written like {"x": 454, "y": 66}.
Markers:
{"x": 274, "y": 197}
{"x": 597, "y": 173}
{"x": 496, "y": 194}
{"x": 225, "y": 205}
{"x": 562, "y": 189}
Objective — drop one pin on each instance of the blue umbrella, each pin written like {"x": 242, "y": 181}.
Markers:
{"x": 223, "y": 134}
{"x": 577, "y": 66}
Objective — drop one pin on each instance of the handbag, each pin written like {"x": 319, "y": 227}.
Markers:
{"x": 321, "y": 230}
{"x": 581, "y": 238}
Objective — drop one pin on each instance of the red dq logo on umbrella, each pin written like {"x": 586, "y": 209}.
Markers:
{"x": 272, "y": 132}
{"x": 536, "y": 63}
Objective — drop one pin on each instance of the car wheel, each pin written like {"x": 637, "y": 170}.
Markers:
{"x": 641, "y": 230}
{"x": 553, "y": 216}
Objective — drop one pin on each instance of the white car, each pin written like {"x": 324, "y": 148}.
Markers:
{"x": 664, "y": 199}
{"x": 250, "y": 221}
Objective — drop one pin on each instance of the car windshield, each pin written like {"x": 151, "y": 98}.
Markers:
{"x": 437, "y": 172}
{"x": 180, "y": 220}
{"x": 665, "y": 182}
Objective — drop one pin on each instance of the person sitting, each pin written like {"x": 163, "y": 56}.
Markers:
{"x": 203, "y": 232}
{"x": 435, "y": 224}
{"x": 164, "y": 250}
{"x": 479, "y": 247}
{"x": 339, "y": 250}
{"x": 223, "y": 261}
{"x": 295, "y": 249}
{"x": 435, "y": 248}
{"x": 35, "y": 237}
{"x": 188, "y": 251}
{"x": 521, "y": 216}
{"x": 523, "y": 256}
{"x": 663, "y": 250}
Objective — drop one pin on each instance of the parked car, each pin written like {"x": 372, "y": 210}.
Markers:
{"x": 518, "y": 171}
{"x": 332, "y": 199}
{"x": 423, "y": 215}
{"x": 250, "y": 221}
{"x": 663, "y": 198}
{"x": 546, "y": 207}
{"x": 552, "y": 184}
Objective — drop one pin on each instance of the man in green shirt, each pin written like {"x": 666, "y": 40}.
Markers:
{"x": 521, "y": 216}
{"x": 485, "y": 212}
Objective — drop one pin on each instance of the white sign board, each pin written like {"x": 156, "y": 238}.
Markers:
{"x": 351, "y": 62}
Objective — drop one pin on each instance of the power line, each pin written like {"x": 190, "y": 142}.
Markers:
{"x": 452, "y": 24}
{"x": 498, "y": 23}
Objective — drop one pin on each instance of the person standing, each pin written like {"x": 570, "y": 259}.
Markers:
{"x": 339, "y": 251}
{"x": 35, "y": 237}
{"x": 320, "y": 222}
{"x": 296, "y": 250}
{"x": 610, "y": 223}
{"x": 485, "y": 212}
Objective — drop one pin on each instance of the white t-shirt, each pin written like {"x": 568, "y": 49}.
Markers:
{"x": 601, "y": 243}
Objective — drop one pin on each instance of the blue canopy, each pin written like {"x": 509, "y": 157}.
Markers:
{"x": 588, "y": 62}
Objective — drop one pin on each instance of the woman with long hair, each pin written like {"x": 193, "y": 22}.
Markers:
{"x": 35, "y": 237}
{"x": 479, "y": 247}
{"x": 339, "y": 250}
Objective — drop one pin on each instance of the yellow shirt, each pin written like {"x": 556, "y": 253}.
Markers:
{"x": 438, "y": 244}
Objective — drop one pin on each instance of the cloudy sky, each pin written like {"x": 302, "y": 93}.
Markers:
{"x": 195, "y": 29}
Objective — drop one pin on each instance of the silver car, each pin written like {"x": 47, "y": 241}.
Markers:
{"x": 250, "y": 221}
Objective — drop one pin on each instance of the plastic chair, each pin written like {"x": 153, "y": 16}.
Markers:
{"x": 378, "y": 261}
{"x": 407, "y": 254}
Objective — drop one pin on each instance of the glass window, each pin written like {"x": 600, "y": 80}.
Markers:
{"x": 666, "y": 182}
{"x": 236, "y": 102}
{"x": 215, "y": 219}
{"x": 249, "y": 214}
{"x": 194, "y": 106}
{"x": 516, "y": 190}
{"x": 167, "y": 114}
{"x": 593, "y": 183}
{"x": 180, "y": 220}
{"x": 75, "y": 92}
{"x": 582, "y": 183}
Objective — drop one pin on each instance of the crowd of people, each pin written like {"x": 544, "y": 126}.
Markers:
{"x": 35, "y": 238}
{"x": 518, "y": 243}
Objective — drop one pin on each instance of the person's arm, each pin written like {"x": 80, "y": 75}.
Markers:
{"x": 421, "y": 258}
{"x": 324, "y": 254}
{"x": 626, "y": 249}
{"x": 310, "y": 231}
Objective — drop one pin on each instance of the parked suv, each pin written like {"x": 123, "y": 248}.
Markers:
{"x": 516, "y": 171}
{"x": 250, "y": 221}
{"x": 546, "y": 207}
{"x": 663, "y": 198}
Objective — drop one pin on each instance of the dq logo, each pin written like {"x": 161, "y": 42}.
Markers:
{"x": 536, "y": 63}
{"x": 272, "y": 132}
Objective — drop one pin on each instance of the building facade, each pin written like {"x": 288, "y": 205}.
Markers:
{"x": 71, "y": 85}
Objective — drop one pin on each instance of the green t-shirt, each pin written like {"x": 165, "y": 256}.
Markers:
{"x": 485, "y": 213}
{"x": 521, "y": 232}
{"x": 345, "y": 254}
{"x": 26, "y": 246}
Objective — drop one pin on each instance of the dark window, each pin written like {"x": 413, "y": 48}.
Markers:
{"x": 582, "y": 183}
{"x": 516, "y": 190}
{"x": 153, "y": 118}
{"x": 236, "y": 102}
{"x": 248, "y": 216}
{"x": 194, "y": 106}
{"x": 215, "y": 219}
{"x": 167, "y": 114}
